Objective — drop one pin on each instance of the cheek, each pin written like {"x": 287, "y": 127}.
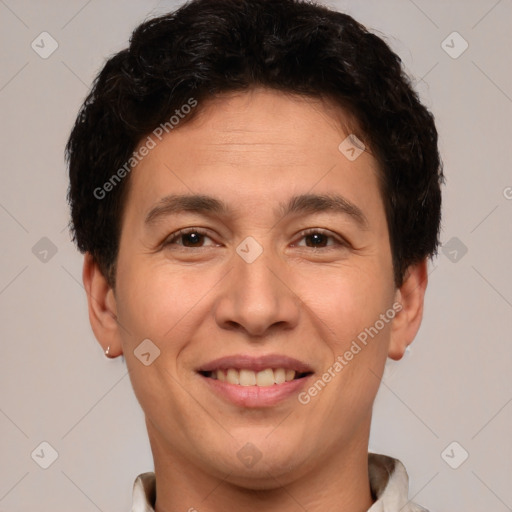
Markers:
{"x": 155, "y": 303}
{"x": 347, "y": 307}
{"x": 346, "y": 300}
{"x": 152, "y": 299}
{"x": 163, "y": 302}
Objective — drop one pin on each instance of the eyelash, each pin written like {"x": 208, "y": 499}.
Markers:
{"x": 312, "y": 231}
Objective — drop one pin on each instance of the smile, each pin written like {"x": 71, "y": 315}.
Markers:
{"x": 264, "y": 378}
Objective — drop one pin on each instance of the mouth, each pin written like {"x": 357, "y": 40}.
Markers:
{"x": 253, "y": 382}
{"x": 246, "y": 377}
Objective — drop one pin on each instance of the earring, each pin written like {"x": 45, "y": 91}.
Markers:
{"x": 107, "y": 352}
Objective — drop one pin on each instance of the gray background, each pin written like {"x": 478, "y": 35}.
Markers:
{"x": 57, "y": 386}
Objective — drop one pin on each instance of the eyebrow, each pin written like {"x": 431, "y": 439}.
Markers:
{"x": 301, "y": 204}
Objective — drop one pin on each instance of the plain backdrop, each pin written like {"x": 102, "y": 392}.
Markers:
{"x": 445, "y": 410}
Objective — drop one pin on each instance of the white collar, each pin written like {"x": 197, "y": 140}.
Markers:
{"x": 389, "y": 484}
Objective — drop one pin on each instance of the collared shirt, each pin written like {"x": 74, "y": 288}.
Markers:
{"x": 389, "y": 485}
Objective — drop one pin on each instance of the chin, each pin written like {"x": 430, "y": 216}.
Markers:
{"x": 263, "y": 477}
{"x": 270, "y": 467}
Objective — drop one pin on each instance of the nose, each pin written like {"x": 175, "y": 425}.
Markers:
{"x": 258, "y": 297}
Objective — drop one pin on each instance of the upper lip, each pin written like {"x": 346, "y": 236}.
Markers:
{"x": 256, "y": 364}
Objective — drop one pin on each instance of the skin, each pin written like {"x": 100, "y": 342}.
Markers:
{"x": 199, "y": 302}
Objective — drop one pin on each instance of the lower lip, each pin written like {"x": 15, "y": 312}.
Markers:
{"x": 255, "y": 396}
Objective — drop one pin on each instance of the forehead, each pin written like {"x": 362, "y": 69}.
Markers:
{"x": 264, "y": 120}
{"x": 253, "y": 146}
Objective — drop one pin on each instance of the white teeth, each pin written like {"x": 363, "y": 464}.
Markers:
{"x": 233, "y": 376}
{"x": 247, "y": 378}
{"x": 264, "y": 378}
{"x": 279, "y": 375}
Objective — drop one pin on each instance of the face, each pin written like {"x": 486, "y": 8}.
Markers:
{"x": 281, "y": 265}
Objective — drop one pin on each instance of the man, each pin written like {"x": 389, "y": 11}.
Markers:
{"x": 256, "y": 189}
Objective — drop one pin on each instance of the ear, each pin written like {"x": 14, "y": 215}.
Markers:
{"x": 102, "y": 307}
{"x": 408, "y": 320}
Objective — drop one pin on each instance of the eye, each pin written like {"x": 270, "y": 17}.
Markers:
{"x": 319, "y": 239}
{"x": 191, "y": 237}
{"x": 195, "y": 237}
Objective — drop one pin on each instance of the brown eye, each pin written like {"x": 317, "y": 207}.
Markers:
{"x": 319, "y": 239}
{"x": 187, "y": 238}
